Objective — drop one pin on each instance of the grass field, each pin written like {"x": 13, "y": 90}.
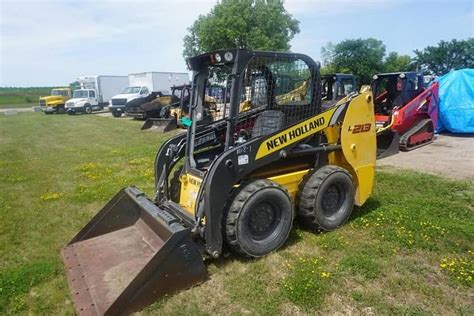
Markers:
{"x": 21, "y": 97}
{"x": 408, "y": 250}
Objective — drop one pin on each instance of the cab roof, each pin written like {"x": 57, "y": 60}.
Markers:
{"x": 228, "y": 56}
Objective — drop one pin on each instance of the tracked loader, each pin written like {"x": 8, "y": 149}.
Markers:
{"x": 237, "y": 185}
{"x": 406, "y": 112}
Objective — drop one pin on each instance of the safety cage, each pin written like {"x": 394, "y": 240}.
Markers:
{"x": 253, "y": 93}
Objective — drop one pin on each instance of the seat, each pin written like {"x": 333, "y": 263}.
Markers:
{"x": 268, "y": 122}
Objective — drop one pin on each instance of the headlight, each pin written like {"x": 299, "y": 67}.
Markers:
{"x": 228, "y": 56}
{"x": 218, "y": 58}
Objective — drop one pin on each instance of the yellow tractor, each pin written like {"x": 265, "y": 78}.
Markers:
{"x": 55, "y": 102}
{"x": 238, "y": 181}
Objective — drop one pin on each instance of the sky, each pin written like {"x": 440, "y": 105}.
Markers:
{"x": 51, "y": 43}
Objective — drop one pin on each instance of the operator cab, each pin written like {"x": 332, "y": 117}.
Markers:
{"x": 261, "y": 94}
{"x": 392, "y": 91}
{"x": 336, "y": 86}
{"x": 181, "y": 95}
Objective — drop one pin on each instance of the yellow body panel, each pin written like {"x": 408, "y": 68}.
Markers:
{"x": 296, "y": 95}
{"x": 290, "y": 181}
{"x": 358, "y": 142}
{"x": 189, "y": 191}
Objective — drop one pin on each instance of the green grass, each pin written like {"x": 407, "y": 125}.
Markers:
{"x": 21, "y": 97}
{"x": 408, "y": 250}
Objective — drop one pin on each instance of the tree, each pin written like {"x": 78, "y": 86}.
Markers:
{"x": 327, "y": 56}
{"x": 362, "y": 57}
{"x": 397, "y": 63}
{"x": 251, "y": 24}
{"x": 447, "y": 56}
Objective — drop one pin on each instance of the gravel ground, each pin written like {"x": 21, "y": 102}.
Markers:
{"x": 450, "y": 155}
{"x": 29, "y": 109}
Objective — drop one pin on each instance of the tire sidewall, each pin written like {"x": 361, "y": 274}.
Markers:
{"x": 116, "y": 114}
{"x": 87, "y": 109}
{"x": 278, "y": 198}
{"x": 341, "y": 216}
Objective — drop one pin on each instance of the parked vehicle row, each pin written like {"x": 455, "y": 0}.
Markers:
{"x": 113, "y": 92}
{"x": 405, "y": 102}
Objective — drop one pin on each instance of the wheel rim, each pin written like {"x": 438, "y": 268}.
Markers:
{"x": 333, "y": 199}
{"x": 263, "y": 220}
{"x": 88, "y": 110}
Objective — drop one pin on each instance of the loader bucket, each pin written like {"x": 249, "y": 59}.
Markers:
{"x": 131, "y": 253}
{"x": 161, "y": 125}
{"x": 388, "y": 143}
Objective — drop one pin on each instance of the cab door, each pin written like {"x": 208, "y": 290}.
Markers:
{"x": 93, "y": 98}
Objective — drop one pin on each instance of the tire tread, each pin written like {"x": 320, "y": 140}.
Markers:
{"x": 239, "y": 199}
{"x": 309, "y": 189}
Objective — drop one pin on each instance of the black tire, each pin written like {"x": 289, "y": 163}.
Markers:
{"x": 116, "y": 114}
{"x": 87, "y": 109}
{"x": 259, "y": 218}
{"x": 175, "y": 185}
{"x": 326, "y": 198}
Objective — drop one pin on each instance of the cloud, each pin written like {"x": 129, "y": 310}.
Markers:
{"x": 334, "y": 7}
{"x": 42, "y": 37}
{"x": 50, "y": 42}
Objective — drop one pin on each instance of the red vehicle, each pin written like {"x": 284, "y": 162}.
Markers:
{"x": 405, "y": 111}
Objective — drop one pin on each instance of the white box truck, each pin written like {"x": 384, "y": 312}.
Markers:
{"x": 158, "y": 81}
{"x": 95, "y": 92}
{"x": 142, "y": 84}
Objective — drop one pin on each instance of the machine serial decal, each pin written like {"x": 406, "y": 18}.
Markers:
{"x": 297, "y": 132}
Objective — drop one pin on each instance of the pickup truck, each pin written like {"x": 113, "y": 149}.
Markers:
{"x": 118, "y": 103}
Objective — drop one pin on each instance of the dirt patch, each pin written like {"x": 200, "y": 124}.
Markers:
{"x": 451, "y": 156}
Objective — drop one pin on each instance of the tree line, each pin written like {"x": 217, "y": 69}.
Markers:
{"x": 366, "y": 57}
{"x": 266, "y": 25}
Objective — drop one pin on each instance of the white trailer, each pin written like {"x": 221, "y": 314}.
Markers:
{"x": 95, "y": 93}
{"x": 158, "y": 81}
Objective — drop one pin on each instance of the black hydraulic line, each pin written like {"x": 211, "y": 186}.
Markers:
{"x": 302, "y": 152}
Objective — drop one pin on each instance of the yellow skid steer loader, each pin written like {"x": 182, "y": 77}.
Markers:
{"x": 239, "y": 181}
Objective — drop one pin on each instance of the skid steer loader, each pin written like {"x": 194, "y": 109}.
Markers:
{"x": 176, "y": 114}
{"x": 238, "y": 182}
{"x": 169, "y": 115}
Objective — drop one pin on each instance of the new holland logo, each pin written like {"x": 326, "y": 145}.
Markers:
{"x": 297, "y": 132}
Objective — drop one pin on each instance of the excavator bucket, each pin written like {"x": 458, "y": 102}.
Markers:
{"x": 128, "y": 255}
{"x": 388, "y": 143}
{"x": 161, "y": 125}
